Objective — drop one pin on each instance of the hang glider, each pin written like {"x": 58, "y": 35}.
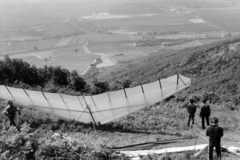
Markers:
{"x": 101, "y": 108}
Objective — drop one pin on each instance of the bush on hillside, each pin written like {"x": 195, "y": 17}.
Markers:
{"x": 38, "y": 145}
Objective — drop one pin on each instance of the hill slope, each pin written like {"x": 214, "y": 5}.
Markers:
{"x": 213, "y": 67}
{"x": 210, "y": 66}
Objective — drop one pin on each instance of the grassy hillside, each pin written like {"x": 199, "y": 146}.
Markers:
{"x": 213, "y": 68}
{"x": 156, "y": 123}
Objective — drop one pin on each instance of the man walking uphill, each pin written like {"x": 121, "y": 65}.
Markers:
{"x": 214, "y": 132}
{"x": 205, "y": 113}
{"x": 191, "y": 108}
{"x": 10, "y": 112}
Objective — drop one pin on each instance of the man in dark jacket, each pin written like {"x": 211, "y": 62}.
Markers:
{"x": 205, "y": 113}
{"x": 191, "y": 108}
{"x": 10, "y": 112}
{"x": 214, "y": 132}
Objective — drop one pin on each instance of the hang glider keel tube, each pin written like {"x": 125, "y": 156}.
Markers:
{"x": 102, "y": 108}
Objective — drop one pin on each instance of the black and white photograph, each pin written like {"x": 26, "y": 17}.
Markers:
{"x": 119, "y": 79}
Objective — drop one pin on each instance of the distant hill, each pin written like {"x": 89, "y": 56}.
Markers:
{"x": 213, "y": 67}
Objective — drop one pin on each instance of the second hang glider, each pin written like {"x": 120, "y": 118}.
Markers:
{"x": 101, "y": 108}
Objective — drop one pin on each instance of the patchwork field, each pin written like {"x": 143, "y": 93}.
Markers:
{"x": 37, "y": 45}
{"x": 54, "y": 30}
{"x": 56, "y": 33}
{"x": 164, "y": 22}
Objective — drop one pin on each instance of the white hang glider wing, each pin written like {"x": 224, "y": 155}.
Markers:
{"x": 101, "y": 108}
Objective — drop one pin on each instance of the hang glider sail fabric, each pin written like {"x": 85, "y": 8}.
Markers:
{"x": 101, "y": 108}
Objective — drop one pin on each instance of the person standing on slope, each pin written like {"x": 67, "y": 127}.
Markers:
{"x": 10, "y": 112}
{"x": 191, "y": 108}
{"x": 214, "y": 132}
{"x": 205, "y": 112}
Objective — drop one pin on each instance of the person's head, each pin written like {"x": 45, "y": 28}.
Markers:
{"x": 9, "y": 102}
{"x": 204, "y": 100}
{"x": 191, "y": 100}
{"x": 214, "y": 120}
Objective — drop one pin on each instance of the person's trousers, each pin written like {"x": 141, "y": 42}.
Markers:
{"x": 203, "y": 121}
{"x": 190, "y": 117}
{"x": 12, "y": 121}
{"x": 217, "y": 148}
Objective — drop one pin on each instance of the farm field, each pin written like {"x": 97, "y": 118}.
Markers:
{"x": 61, "y": 29}
{"x": 159, "y": 19}
{"x": 37, "y": 45}
{"x": 69, "y": 50}
{"x": 21, "y": 34}
{"x": 73, "y": 40}
{"x": 112, "y": 48}
{"x": 189, "y": 27}
{"x": 41, "y": 44}
{"x": 225, "y": 20}
{"x": 11, "y": 46}
{"x": 58, "y": 42}
{"x": 118, "y": 51}
{"x": 65, "y": 57}
{"x": 165, "y": 22}
{"x": 56, "y": 30}
{"x": 101, "y": 38}
{"x": 78, "y": 62}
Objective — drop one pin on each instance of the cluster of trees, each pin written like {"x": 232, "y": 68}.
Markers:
{"x": 177, "y": 42}
{"x": 16, "y": 72}
{"x": 166, "y": 42}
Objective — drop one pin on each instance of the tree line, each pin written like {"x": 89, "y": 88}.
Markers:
{"x": 20, "y": 74}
